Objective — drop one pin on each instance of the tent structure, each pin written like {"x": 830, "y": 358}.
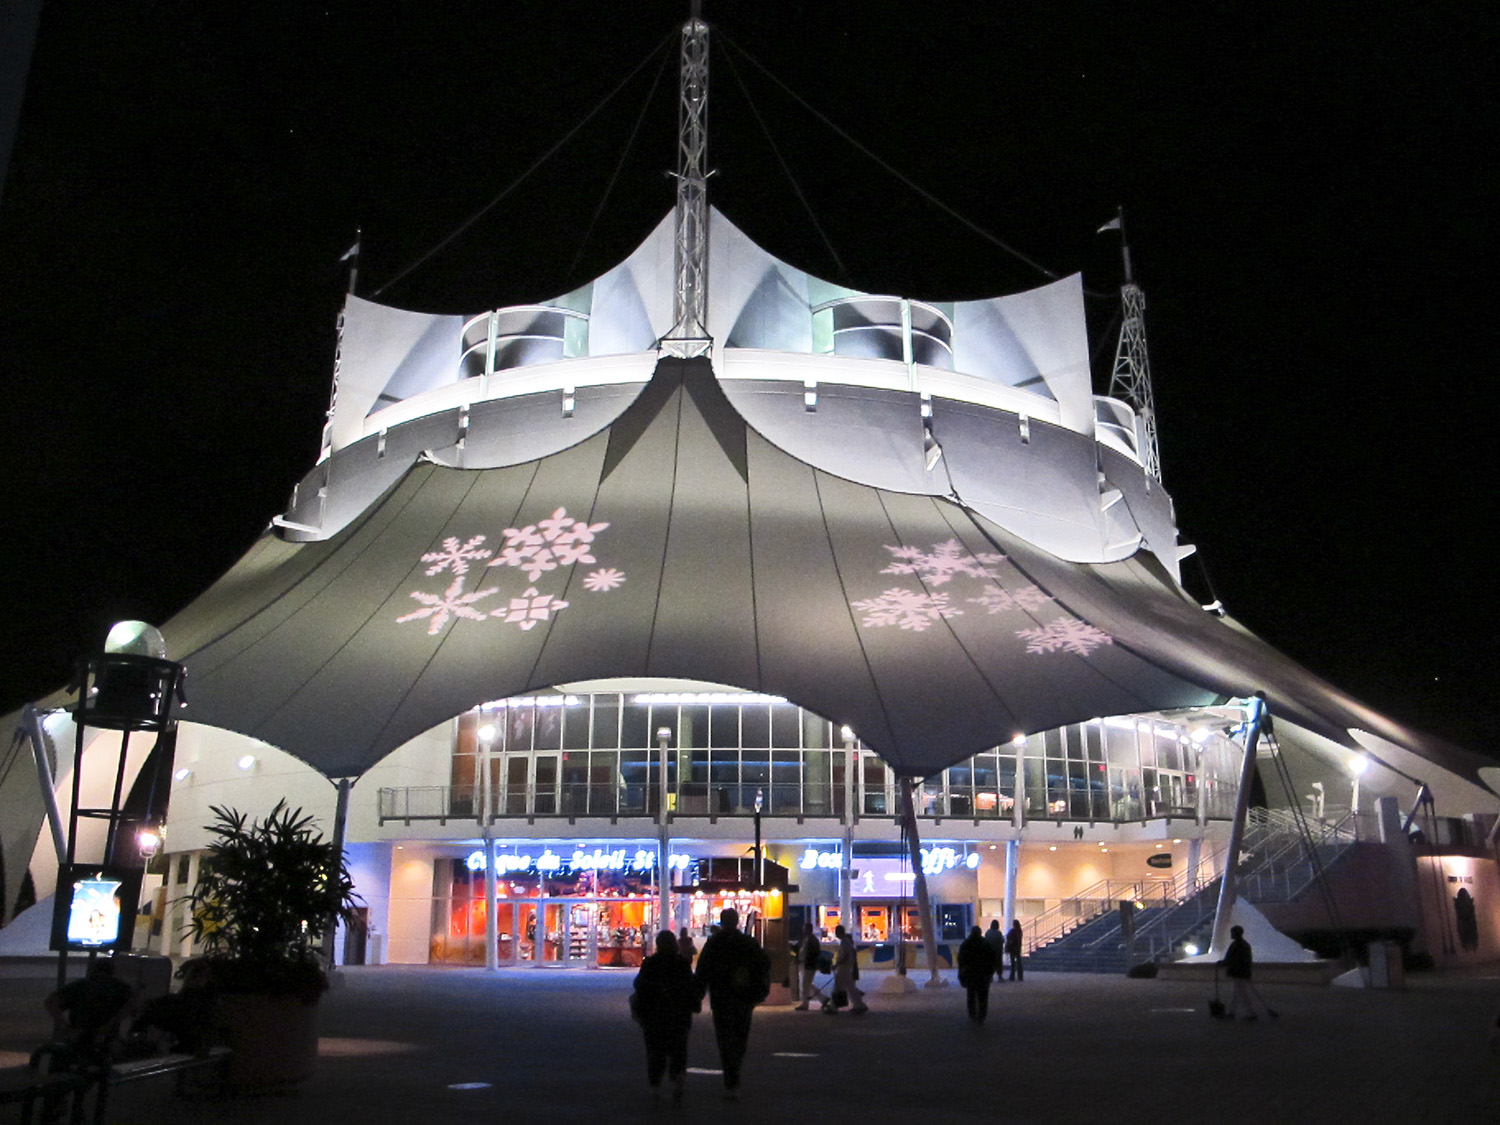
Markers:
{"x": 678, "y": 541}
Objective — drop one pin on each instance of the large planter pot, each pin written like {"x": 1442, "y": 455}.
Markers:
{"x": 274, "y": 1039}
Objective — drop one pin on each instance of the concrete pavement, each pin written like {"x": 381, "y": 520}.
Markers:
{"x": 402, "y": 1044}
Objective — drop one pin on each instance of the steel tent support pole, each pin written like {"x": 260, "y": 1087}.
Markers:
{"x": 340, "y": 822}
{"x": 924, "y": 904}
{"x": 31, "y": 723}
{"x": 1227, "y": 884}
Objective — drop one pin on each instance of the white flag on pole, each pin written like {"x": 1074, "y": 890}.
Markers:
{"x": 1113, "y": 224}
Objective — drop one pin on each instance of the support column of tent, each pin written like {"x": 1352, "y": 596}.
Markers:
{"x": 1012, "y": 864}
{"x": 924, "y": 903}
{"x": 1017, "y": 822}
{"x": 486, "y": 818}
{"x": 1227, "y": 882}
{"x": 340, "y": 823}
{"x": 31, "y": 722}
{"x": 846, "y": 864}
{"x": 663, "y": 854}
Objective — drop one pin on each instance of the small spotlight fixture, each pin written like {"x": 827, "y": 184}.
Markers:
{"x": 148, "y": 841}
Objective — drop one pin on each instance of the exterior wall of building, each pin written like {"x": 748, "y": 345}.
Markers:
{"x": 1460, "y": 901}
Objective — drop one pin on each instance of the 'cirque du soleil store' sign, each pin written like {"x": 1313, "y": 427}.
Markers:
{"x": 934, "y": 862}
{"x": 550, "y": 862}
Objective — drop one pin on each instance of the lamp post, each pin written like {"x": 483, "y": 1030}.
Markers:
{"x": 486, "y": 735}
{"x": 663, "y": 878}
{"x": 760, "y": 855}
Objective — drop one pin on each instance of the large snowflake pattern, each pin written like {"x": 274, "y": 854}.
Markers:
{"x": 557, "y": 541}
{"x": 938, "y": 566}
{"x": 456, "y": 556}
{"x": 551, "y": 544}
{"x": 910, "y": 609}
{"x": 1065, "y": 634}
{"x": 452, "y": 602}
{"x": 1028, "y": 598}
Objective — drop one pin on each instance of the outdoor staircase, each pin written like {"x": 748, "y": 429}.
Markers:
{"x": 1085, "y": 935}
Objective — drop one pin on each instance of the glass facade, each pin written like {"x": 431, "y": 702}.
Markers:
{"x": 597, "y": 755}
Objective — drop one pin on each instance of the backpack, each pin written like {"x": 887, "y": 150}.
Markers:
{"x": 750, "y": 978}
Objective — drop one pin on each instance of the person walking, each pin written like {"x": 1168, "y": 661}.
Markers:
{"x": 1013, "y": 949}
{"x": 735, "y": 972}
{"x": 1238, "y": 962}
{"x": 665, "y": 998}
{"x": 994, "y": 937}
{"x": 976, "y": 968}
{"x": 846, "y": 976}
{"x": 686, "y": 946}
{"x": 809, "y": 954}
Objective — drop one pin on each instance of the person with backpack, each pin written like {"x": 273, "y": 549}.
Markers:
{"x": 976, "y": 966}
{"x": 735, "y": 973}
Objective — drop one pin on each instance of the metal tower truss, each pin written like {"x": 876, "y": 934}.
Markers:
{"x": 689, "y": 336}
{"x": 1131, "y": 381}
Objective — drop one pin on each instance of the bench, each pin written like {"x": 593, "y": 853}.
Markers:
{"x": 54, "y": 1090}
{"x": 157, "y": 1066}
{"x": 25, "y": 1087}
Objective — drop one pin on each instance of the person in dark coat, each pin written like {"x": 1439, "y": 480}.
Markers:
{"x": 995, "y": 938}
{"x": 666, "y": 996}
{"x": 735, "y": 972}
{"x": 1238, "y": 962}
{"x": 1013, "y": 949}
{"x": 809, "y": 955}
{"x": 976, "y": 968}
{"x": 86, "y": 1013}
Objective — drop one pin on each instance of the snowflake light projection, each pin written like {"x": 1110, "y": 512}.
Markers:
{"x": 555, "y": 544}
{"x": 917, "y": 610}
{"x": 909, "y": 609}
{"x": 540, "y": 547}
{"x": 1028, "y": 598}
{"x": 452, "y": 602}
{"x": 937, "y": 566}
{"x": 456, "y": 556}
{"x": 529, "y": 608}
{"x": 606, "y": 578}
{"x": 1065, "y": 634}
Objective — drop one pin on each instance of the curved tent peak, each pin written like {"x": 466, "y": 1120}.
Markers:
{"x": 395, "y": 364}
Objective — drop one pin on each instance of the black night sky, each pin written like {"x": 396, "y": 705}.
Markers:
{"x": 1303, "y": 187}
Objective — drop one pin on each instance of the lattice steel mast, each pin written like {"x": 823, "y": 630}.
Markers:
{"x": 1131, "y": 381}
{"x": 689, "y": 335}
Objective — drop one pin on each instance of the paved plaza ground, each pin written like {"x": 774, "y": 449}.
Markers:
{"x": 557, "y": 1046}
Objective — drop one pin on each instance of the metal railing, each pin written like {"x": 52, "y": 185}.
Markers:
{"x": 464, "y": 802}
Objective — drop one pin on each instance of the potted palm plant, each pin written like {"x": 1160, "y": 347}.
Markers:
{"x": 268, "y": 892}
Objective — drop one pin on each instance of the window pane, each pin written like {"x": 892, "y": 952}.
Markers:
{"x": 755, "y": 725}
{"x": 575, "y": 719}
{"x": 606, "y": 722}
{"x": 548, "y": 732}
{"x": 694, "y": 721}
{"x": 786, "y": 726}
{"x": 635, "y": 730}
{"x": 726, "y": 724}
